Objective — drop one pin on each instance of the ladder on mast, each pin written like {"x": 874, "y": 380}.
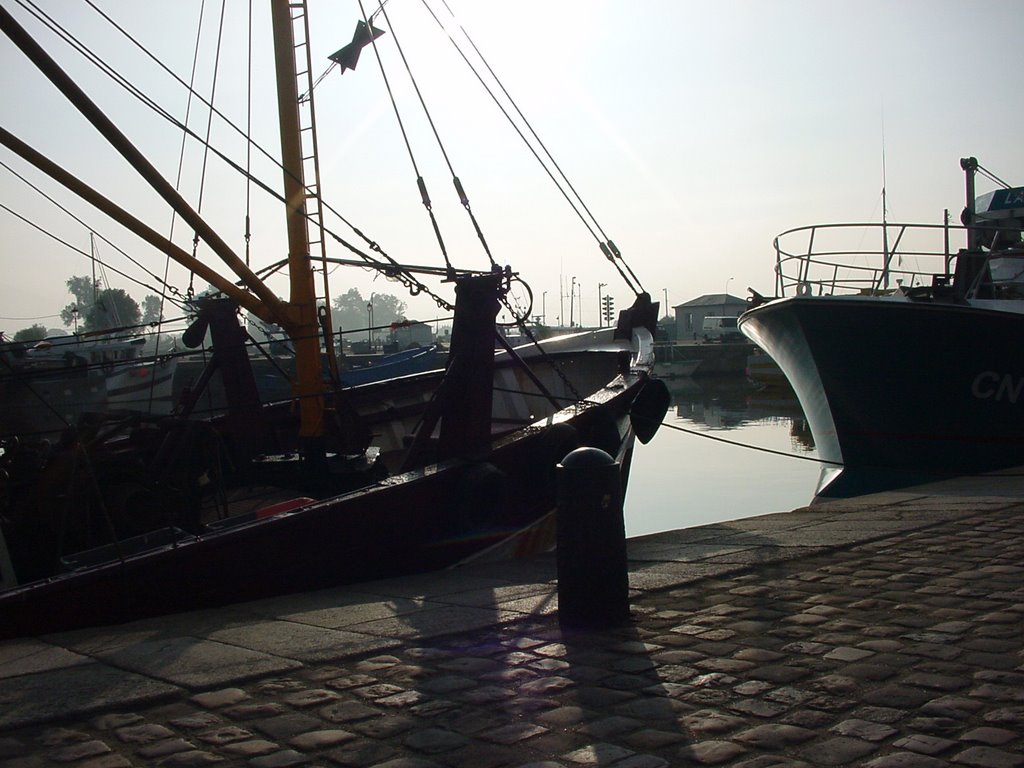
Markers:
{"x": 311, "y": 166}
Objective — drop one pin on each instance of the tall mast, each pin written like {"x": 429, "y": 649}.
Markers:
{"x": 301, "y": 306}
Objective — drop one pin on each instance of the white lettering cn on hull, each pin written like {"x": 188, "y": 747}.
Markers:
{"x": 997, "y": 386}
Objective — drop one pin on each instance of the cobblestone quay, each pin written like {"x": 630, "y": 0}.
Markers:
{"x": 884, "y": 631}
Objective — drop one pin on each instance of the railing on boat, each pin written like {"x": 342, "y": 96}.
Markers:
{"x": 874, "y": 258}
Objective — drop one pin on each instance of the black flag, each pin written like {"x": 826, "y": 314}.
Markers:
{"x": 348, "y": 56}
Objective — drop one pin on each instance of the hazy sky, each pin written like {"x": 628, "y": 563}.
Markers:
{"x": 695, "y": 132}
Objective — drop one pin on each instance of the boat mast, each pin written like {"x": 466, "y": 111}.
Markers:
{"x": 301, "y": 307}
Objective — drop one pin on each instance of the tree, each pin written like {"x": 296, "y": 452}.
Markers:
{"x": 151, "y": 311}
{"x": 35, "y": 332}
{"x": 350, "y": 310}
{"x": 113, "y": 308}
{"x": 84, "y": 289}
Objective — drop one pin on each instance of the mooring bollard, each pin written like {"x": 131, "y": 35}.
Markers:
{"x": 593, "y": 583}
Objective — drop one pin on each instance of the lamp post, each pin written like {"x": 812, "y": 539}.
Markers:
{"x": 544, "y": 308}
{"x": 561, "y": 299}
{"x": 572, "y": 296}
{"x": 369, "y": 323}
{"x": 600, "y": 306}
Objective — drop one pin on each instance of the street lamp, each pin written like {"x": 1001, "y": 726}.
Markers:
{"x": 600, "y": 306}
{"x": 369, "y": 323}
{"x": 572, "y": 296}
{"x": 544, "y": 307}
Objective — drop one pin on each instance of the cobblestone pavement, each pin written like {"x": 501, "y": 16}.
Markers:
{"x": 888, "y": 636}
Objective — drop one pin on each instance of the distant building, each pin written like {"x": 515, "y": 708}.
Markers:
{"x": 406, "y": 334}
{"x": 690, "y": 315}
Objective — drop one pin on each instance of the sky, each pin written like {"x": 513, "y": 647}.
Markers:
{"x": 694, "y": 132}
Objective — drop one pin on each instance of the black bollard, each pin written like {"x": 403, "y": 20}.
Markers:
{"x": 593, "y": 582}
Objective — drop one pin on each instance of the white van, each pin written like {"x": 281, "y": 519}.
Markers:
{"x": 721, "y": 328}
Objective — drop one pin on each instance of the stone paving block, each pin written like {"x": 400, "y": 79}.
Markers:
{"x": 434, "y": 740}
{"x": 361, "y": 753}
{"x": 925, "y": 744}
{"x": 988, "y": 757}
{"x": 251, "y": 748}
{"x": 864, "y": 729}
{"x": 83, "y": 689}
{"x": 435, "y": 622}
{"x": 282, "y": 759}
{"x": 711, "y": 752}
{"x": 906, "y": 760}
{"x": 993, "y": 737}
{"x": 287, "y": 725}
{"x": 160, "y": 749}
{"x": 597, "y": 754}
{"x": 76, "y": 752}
{"x": 196, "y": 664}
{"x": 302, "y": 642}
{"x": 29, "y": 657}
{"x": 837, "y": 751}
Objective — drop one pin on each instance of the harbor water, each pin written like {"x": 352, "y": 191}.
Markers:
{"x": 689, "y": 476}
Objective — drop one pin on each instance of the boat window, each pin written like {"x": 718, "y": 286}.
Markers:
{"x": 1007, "y": 275}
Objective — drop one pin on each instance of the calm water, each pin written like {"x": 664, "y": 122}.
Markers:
{"x": 680, "y": 480}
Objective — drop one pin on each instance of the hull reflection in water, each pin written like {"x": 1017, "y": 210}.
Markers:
{"x": 684, "y": 480}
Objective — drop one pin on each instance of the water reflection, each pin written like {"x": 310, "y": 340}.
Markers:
{"x": 732, "y": 402}
{"x": 683, "y": 478}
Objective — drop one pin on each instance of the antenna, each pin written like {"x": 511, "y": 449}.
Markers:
{"x": 885, "y": 223}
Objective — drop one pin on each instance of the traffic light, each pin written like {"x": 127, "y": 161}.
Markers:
{"x": 608, "y": 310}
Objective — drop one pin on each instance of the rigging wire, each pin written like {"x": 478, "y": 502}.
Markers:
{"x": 248, "y": 142}
{"x": 463, "y": 198}
{"x": 414, "y": 286}
{"x": 991, "y": 176}
{"x": 608, "y": 248}
{"x": 698, "y": 433}
{"x": 424, "y": 196}
{"x": 209, "y": 125}
{"x": 75, "y": 248}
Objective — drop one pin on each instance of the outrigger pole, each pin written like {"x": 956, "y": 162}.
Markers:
{"x": 245, "y": 299}
{"x": 298, "y": 316}
{"x": 138, "y": 161}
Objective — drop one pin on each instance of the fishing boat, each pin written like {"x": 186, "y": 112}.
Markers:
{"x": 136, "y": 516}
{"x": 904, "y": 356}
{"x": 54, "y": 382}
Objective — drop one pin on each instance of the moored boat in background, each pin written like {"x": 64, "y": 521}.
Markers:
{"x": 904, "y": 360}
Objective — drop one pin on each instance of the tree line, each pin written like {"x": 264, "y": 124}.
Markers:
{"x": 96, "y": 308}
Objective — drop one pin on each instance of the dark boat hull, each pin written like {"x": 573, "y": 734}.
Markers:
{"x": 899, "y": 391}
{"x": 422, "y": 520}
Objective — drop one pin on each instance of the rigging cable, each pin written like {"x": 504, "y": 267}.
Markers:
{"x": 392, "y": 270}
{"x": 463, "y": 198}
{"x": 991, "y": 176}
{"x": 608, "y": 248}
{"x": 424, "y": 196}
{"x": 209, "y": 126}
{"x": 333, "y": 65}
{"x": 75, "y": 248}
{"x": 698, "y": 433}
{"x": 248, "y": 138}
